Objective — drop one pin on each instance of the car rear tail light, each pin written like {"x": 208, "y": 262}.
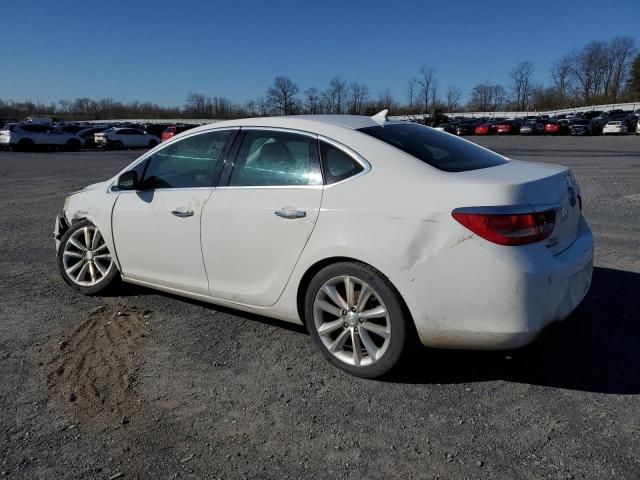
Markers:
{"x": 509, "y": 229}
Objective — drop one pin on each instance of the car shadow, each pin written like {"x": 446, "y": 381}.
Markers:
{"x": 596, "y": 349}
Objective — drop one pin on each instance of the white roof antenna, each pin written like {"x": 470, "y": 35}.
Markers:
{"x": 380, "y": 117}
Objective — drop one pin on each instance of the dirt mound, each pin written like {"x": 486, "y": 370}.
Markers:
{"x": 95, "y": 369}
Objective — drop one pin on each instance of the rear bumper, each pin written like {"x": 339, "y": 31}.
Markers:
{"x": 478, "y": 295}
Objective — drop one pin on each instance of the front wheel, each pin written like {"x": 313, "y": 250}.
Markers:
{"x": 355, "y": 317}
{"x": 84, "y": 259}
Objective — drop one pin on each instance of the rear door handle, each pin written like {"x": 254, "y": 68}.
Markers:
{"x": 182, "y": 213}
{"x": 290, "y": 213}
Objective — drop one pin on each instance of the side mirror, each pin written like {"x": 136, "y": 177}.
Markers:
{"x": 128, "y": 181}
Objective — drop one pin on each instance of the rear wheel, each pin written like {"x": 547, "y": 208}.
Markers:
{"x": 355, "y": 317}
{"x": 73, "y": 145}
{"x": 117, "y": 145}
{"x": 25, "y": 145}
{"x": 152, "y": 143}
{"x": 84, "y": 259}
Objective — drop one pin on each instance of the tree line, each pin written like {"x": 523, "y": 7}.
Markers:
{"x": 599, "y": 72}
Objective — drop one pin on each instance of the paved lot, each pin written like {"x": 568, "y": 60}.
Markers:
{"x": 152, "y": 386}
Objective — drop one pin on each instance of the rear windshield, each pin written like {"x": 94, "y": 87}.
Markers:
{"x": 438, "y": 149}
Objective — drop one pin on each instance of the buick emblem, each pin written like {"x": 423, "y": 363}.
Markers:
{"x": 572, "y": 197}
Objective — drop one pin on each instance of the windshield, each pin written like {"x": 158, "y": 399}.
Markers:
{"x": 438, "y": 149}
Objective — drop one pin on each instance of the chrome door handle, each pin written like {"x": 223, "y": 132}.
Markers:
{"x": 182, "y": 213}
{"x": 290, "y": 213}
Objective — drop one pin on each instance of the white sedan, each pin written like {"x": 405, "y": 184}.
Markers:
{"x": 371, "y": 233}
{"x": 119, "y": 138}
{"x": 614, "y": 127}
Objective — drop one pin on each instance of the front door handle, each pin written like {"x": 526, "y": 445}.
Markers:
{"x": 182, "y": 213}
{"x": 290, "y": 213}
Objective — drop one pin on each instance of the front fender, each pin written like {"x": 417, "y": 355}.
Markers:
{"x": 95, "y": 205}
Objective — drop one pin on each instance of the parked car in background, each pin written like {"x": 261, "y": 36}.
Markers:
{"x": 72, "y": 128}
{"x": 174, "y": 130}
{"x": 638, "y": 127}
{"x": 88, "y": 135}
{"x": 449, "y": 127}
{"x": 285, "y": 236}
{"x": 615, "y": 127}
{"x": 508, "y": 127}
{"x": 25, "y": 136}
{"x": 580, "y": 127}
{"x": 465, "y": 128}
{"x": 531, "y": 127}
{"x": 556, "y": 127}
{"x": 484, "y": 129}
{"x": 119, "y": 138}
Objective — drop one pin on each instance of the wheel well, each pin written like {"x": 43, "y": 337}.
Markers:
{"x": 316, "y": 267}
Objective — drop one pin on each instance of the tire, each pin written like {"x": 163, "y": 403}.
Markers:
{"x": 117, "y": 145}
{"x": 152, "y": 143}
{"x": 25, "y": 145}
{"x": 381, "y": 339}
{"x": 89, "y": 271}
{"x": 73, "y": 145}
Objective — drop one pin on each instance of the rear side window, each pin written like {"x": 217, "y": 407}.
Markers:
{"x": 438, "y": 149}
{"x": 336, "y": 164}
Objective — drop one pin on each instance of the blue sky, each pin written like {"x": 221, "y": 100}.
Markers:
{"x": 159, "y": 51}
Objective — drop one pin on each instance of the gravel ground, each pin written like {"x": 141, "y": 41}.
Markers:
{"x": 146, "y": 385}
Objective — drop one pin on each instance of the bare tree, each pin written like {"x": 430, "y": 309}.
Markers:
{"x": 335, "y": 97}
{"x": 562, "y": 78}
{"x": 262, "y": 106}
{"x": 385, "y": 101}
{"x": 425, "y": 84}
{"x": 358, "y": 95}
{"x": 621, "y": 51}
{"x": 196, "y": 104}
{"x": 312, "y": 100}
{"x": 454, "y": 95}
{"x": 282, "y": 95}
{"x": 433, "y": 95}
{"x": 521, "y": 76}
{"x": 411, "y": 94}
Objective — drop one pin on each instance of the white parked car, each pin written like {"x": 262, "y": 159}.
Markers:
{"x": 371, "y": 233}
{"x": 614, "y": 127}
{"x": 638, "y": 128}
{"x": 119, "y": 138}
{"x": 28, "y": 136}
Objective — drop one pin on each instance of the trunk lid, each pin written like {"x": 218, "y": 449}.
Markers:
{"x": 543, "y": 187}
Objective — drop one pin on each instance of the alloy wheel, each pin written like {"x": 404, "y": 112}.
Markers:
{"x": 352, "y": 321}
{"x": 86, "y": 258}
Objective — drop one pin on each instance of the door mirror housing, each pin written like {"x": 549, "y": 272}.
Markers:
{"x": 128, "y": 181}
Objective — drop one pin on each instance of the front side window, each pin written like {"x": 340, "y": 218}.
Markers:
{"x": 191, "y": 162}
{"x": 440, "y": 150}
{"x": 272, "y": 158}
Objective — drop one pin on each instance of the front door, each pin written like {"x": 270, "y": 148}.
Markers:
{"x": 255, "y": 227}
{"x": 156, "y": 228}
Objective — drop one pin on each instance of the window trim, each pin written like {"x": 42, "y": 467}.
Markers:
{"x": 216, "y": 175}
{"x": 229, "y": 165}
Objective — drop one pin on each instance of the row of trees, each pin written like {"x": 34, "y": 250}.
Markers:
{"x": 599, "y": 72}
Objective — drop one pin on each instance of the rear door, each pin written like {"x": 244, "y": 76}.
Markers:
{"x": 258, "y": 222}
{"x": 156, "y": 229}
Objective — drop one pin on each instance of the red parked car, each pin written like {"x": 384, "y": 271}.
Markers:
{"x": 556, "y": 127}
{"x": 483, "y": 129}
{"x": 174, "y": 130}
{"x": 508, "y": 127}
